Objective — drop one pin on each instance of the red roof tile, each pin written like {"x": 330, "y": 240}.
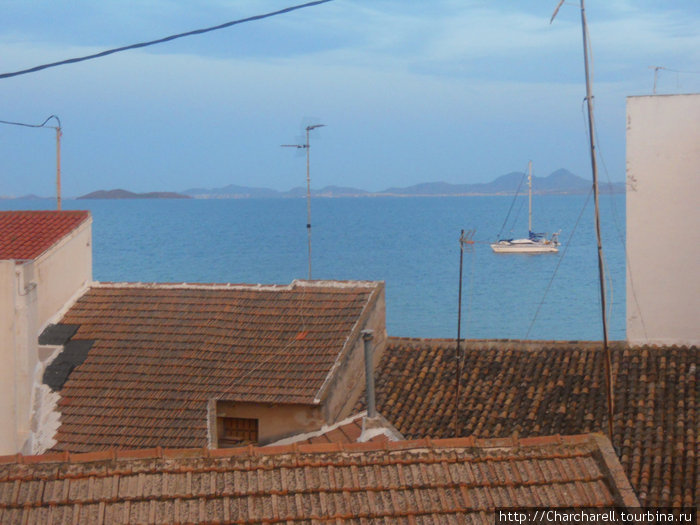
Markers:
{"x": 160, "y": 352}
{"x": 28, "y": 234}
{"x": 422, "y": 482}
{"x": 546, "y": 387}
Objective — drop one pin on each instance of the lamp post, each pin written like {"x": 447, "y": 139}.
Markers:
{"x": 59, "y": 133}
{"x": 307, "y": 147}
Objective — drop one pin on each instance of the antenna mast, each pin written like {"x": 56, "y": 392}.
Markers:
{"x": 601, "y": 266}
{"x": 529, "y": 196}
{"x": 307, "y": 147}
{"x": 464, "y": 240}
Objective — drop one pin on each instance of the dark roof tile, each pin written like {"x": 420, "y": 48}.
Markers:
{"x": 542, "y": 388}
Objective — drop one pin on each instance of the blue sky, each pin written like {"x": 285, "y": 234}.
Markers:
{"x": 455, "y": 91}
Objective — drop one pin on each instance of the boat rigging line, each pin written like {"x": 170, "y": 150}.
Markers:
{"x": 556, "y": 268}
{"x": 515, "y": 197}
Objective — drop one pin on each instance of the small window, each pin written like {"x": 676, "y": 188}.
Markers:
{"x": 236, "y": 431}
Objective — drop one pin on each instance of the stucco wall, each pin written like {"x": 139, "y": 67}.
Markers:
{"x": 63, "y": 270}
{"x": 274, "y": 421}
{"x": 8, "y": 436}
{"x": 663, "y": 219}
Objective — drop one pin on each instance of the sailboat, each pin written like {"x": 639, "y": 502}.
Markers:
{"x": 535, "y": 242}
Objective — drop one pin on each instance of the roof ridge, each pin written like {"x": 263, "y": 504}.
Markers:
{"x": 236, "y": 286}
{"x": 468, "y": 442}
{"x": 498, "y": 344}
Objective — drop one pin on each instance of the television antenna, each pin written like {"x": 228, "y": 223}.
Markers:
{"x": 307, "y": 147}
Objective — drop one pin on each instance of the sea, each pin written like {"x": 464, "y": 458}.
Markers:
{"x": 410, "y": 243}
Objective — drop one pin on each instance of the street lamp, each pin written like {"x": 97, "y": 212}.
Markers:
{"x": 307, "y": 147}
{"x": 58, "y": 149}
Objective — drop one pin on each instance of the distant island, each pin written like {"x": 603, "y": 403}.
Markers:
{"x": 560, "y": 182}
{"x": 124, "y": 194}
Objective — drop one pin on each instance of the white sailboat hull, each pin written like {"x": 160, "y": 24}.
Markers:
{"x": 524, "y": 246}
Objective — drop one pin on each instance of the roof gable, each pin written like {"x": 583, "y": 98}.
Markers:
{"x": 26, "y": 235}
{"x": 160, "y": 352}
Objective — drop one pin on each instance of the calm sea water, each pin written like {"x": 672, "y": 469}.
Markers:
{"x": 410, "y": 243}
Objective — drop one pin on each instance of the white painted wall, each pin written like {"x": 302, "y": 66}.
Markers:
{"x": 663, "y": 219}
{"x": 31, "y": 293}
{"x": 8, "y": 434}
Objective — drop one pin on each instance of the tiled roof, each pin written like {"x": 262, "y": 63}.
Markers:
{"x": 544, "y": 388}
{"x": 427, "y": 482}
{"x": 28, "y": 234}
{"x": 160, "y": 352}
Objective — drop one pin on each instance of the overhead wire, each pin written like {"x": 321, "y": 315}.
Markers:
{"x": 161, "y": 40}
{"x": 42, "y": 125}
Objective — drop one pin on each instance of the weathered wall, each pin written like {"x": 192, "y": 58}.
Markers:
{"x": 8, "y": 415}
{"x": 340, "y": 394}
{"x": 663, "y": 239}
{"x": 274, "y": 421}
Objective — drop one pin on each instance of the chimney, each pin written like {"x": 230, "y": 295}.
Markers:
{"x": 367, "y": 336}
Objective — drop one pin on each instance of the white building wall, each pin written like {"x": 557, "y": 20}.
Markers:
{"x": 31, "y": 293}
{"x": 663, "y": 219}
{"x": 8, "y": 415}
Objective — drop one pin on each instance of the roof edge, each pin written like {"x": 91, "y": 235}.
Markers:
{"x": 236, "y": 286}
{"x": 470, "y": 442}
{"x": 622, "y": 488}
{"x": 354, "y": 335}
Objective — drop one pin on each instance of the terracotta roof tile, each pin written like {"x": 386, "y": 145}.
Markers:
{"x": 442, "y": 481}
{"x": 160, "y": 352}
{"x": 28, "y": 234}
{"x": 543, "y": 388}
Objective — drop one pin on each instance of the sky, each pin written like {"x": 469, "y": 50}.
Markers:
{"x": 410, "y": 92}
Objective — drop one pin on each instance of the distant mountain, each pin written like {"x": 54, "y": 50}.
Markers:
{"x": 124, "y": 194}
{"x": 561, "y": 181}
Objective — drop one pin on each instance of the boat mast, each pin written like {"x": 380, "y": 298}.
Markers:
{"x": 601, "y": 268}
{"x": 529, "y": 193}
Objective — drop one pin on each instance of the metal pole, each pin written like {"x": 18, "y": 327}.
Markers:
{"x": 58, "y": 167}
{"x": 601, "y": 268}
{"x": 308, "y": 195}
{"x": 458, "y": 355}
{"x": 529, "y": 196}
{"x": 367, "y": 336}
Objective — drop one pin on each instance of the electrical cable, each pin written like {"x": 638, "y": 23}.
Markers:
{"x": 162, "y": 40}
{"x": 43, "y": 124}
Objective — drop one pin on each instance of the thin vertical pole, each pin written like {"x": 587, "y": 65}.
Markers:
{"x": 601, "y": 268}
{"x": 529, "y": 196}
{"x": 308, "y": 195}
{"x": 459, "y": 338}
{"x": 58, "y": 167}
